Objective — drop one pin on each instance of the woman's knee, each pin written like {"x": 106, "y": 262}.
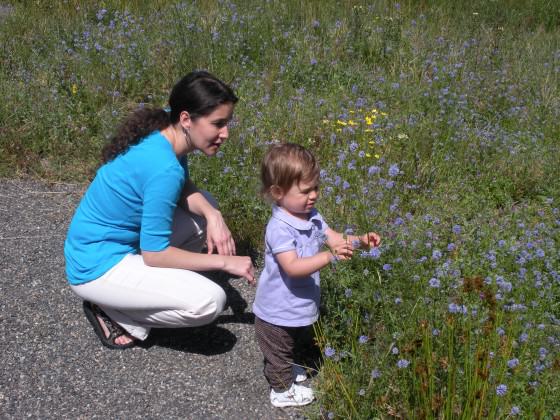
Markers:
{"x": 219, "y": 298}
{"x": 210, "y": 307}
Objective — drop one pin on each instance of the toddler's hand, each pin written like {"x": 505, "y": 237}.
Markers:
{"x": 342, "y": 251}
{"x": 370, "y": 239}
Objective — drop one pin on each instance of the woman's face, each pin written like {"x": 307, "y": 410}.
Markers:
{"x": 209, "y": 132}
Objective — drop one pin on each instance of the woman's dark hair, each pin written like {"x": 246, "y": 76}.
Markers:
{"x": 198, "y": 93}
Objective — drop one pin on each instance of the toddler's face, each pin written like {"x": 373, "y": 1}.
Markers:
{"x": 300, "y": 199}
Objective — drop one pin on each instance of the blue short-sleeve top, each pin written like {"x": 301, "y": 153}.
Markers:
{"x": 128, "y": 207}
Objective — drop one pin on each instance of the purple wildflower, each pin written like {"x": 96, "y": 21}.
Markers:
{"x": 513, "y": 363}
{"x": 435, "y": 283}
{"x": 501, "y": 390}
{"x": 394, "y": 170}
{"x": 373, "y": 253}
{"x": 373, "y": 170}
{"x": 402, "y": 363}
{"x": 515, "y": 410}
{"x": 457, "y": 309}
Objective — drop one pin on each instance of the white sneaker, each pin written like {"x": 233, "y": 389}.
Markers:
{"x": 299, "y": 374}
{"x": 296, "y": 395}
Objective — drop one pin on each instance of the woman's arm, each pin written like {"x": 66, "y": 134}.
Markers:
{"x": 193, "y": 200}
{"x": 218, "y": 235}
{"x": 173, "y": 257}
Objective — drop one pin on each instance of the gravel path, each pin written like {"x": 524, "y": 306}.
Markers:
{"x": 54, "y": 366}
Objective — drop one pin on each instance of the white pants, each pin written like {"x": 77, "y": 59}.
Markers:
{"x": 139, "y": 297}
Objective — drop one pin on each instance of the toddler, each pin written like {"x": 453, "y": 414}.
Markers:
{"x": 287, "y": 297}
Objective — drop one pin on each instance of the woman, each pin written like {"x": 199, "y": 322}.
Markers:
{"x": 134, "y": 244}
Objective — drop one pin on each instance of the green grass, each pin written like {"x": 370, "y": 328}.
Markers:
{"x": 459, "y": 98}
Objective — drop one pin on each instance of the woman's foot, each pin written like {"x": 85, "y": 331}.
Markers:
{"x": 120, "y": 340}
{"x": 110, "y": 333}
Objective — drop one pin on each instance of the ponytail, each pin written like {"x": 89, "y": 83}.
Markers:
{"x": 133, "y": 129}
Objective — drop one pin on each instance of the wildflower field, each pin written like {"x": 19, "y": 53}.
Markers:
{"x": 436, "y": 124}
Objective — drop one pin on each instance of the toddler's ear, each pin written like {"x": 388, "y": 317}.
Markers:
{"x": 276, "y": 192}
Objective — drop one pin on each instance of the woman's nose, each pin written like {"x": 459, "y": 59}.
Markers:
{"x": 224, "y": 132}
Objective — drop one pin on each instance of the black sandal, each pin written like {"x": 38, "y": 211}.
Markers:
{"x": 92, "y": 311}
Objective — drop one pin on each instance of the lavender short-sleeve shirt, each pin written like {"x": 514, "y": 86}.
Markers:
{"x": 280, "y": 299}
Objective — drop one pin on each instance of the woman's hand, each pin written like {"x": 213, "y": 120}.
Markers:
{"x": 218, "y": 235}
{"x": 370, "y": 240}
{"x": 241, "y": 267}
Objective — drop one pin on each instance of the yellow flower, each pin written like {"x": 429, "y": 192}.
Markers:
{"x": 339, "y": 122}
{"x": 352, "y": 122}
{"x": 368, "y": 130}
{"x": 74, "y": 89}
{"x": 371, "y": 142}
{"x": 377, "y": 156}
{"x": 384, "y": 114}
{"x": 368, "y": 155}
{"x": 326, "y": 121}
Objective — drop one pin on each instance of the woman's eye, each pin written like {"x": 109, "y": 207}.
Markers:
{"x": 220, "y": 123}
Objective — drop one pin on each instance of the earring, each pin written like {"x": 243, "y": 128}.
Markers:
{"x": 187, "y": 133}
